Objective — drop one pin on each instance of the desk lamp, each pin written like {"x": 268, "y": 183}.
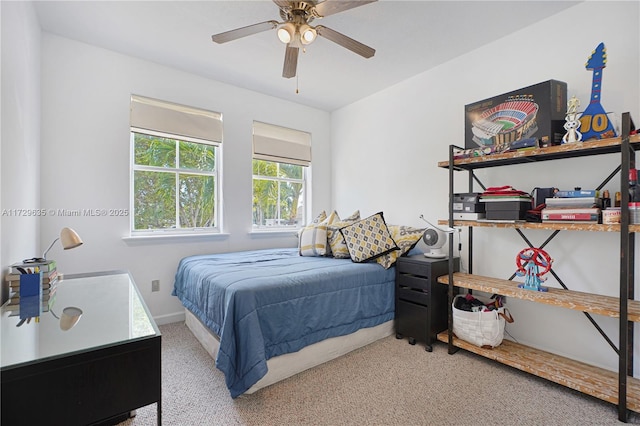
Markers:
{"x": 68, "y": 238}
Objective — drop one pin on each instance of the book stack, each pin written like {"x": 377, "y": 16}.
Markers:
{"x": 49, "y": 272}
{"x": 578, "y": 206}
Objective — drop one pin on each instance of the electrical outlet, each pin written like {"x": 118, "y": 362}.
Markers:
{"x": 155, "y": 285}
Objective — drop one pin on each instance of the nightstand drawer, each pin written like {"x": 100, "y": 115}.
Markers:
{"x": 414, "y": 282}
{"x": 412, "y": 295}
{"x": 413, "y": 268}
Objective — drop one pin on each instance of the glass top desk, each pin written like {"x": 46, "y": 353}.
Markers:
{"x": 103, "y": 367}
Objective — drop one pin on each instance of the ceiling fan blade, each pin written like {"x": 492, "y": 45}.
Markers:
{"x": 244, "y": 31}
{"x": 282, "y": 3}
{"x": 331, "y": 7}
{"x": 346, "y": 42}
{"x": 290, "y": 62}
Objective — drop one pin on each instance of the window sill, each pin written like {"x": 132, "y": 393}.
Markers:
{"x": 276, "y": 232}
{"x": 166, "y": 238}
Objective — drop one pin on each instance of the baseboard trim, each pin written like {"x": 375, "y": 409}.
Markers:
{"x": 169, "y": 318}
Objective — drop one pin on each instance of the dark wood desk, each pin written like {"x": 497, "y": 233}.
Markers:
{"x": 106, "y": 366}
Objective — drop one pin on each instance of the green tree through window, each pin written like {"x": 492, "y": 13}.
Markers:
{"x": 278, "y": 194}
{"x": 174, "y": 183}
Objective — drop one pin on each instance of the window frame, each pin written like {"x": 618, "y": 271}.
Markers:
{"x": 281, "y": 145}
{"x": 176, "y": 171}
{"x": 305, "y": 197}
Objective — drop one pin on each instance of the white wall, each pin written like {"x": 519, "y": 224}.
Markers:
{"x": 20, "y": 148}
{"x": 20, "y": 145}
{"x": 85, "y": 160}
{"x": 402, "y": 132}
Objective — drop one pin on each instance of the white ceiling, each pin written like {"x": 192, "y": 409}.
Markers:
{"x": 409, "y": 37}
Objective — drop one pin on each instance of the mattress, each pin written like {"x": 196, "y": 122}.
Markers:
{"x": 266, "y": 303}
{"x": 284, "y": 366}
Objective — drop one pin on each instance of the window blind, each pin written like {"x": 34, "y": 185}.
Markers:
{"x": 175, "y": 119}
{"x": 280, "y": 144}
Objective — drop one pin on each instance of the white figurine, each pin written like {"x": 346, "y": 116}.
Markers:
{"x": 573, "y": 124}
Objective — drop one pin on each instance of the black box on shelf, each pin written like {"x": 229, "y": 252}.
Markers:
{"x": 507, "y": 209}
{"x": 468, "y": 203}
{"x": 536, "y": 111}
{"x": 506, "y": 214}
{"x": 521, "y": 206}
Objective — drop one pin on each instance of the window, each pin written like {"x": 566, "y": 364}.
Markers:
{"x": 175, "y": 174}
{"x": 278, "y": 194}
{"x": 281, "y": 159}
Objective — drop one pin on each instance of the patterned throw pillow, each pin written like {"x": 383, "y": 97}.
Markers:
{"x": 406, "y": 238}
{"x": 313, "y": 237}
{"x": 321, "y": 216}
{"x": 368, "y": 238}
{"x": 337, "y": 245}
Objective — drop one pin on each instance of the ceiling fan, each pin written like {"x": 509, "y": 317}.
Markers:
{"x": 296, "y": 32}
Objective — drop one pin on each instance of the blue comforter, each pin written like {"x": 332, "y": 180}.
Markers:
{"x": 266, "y": 303}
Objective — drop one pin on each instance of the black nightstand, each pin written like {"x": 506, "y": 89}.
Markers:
{"x": 421, "y": 302}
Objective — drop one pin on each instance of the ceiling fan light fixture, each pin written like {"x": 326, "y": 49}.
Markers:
{"x": 286, "y": 32}
{"x": 307, "y": 34}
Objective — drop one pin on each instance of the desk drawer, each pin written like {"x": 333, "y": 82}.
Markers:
{"x": 412, "y": 295}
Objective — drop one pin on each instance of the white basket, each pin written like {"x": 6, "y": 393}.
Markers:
{"x": 484, "y": 329}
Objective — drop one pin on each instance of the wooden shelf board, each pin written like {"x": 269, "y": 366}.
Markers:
{"x": 570, "y": 299}
{"x": 546, "y": 225}
{"x": 585, "y": 378}
{"x": 571, "y": 150}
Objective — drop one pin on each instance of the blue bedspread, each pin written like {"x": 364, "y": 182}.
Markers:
{"x": 265, "y": 303}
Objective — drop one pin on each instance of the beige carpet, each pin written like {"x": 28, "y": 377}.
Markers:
{"x": 386, "y": 383}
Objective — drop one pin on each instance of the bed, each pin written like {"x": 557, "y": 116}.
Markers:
{"x": 265, "y": 315}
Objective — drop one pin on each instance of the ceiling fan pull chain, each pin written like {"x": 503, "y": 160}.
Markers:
{"x": 297, "y": 91}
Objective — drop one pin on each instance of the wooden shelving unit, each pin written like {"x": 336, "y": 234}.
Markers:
{"x": 617, "y": 387}
{"x": 585, "y": 378}
{"x": 596, "y": 227}
{"x": 569, "y": 299}
{"x": 572, "y": 150}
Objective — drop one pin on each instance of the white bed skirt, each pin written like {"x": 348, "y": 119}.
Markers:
{"x": 283, "y": 366}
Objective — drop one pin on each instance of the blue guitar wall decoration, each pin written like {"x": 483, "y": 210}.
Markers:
{"x": 594, "y": 122}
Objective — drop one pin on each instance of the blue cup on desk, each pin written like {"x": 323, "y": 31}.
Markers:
{"x": 30, "y": 295}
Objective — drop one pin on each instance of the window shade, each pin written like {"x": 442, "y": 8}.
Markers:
{"x": 175, "y": 119}
{"x": 280, "y": 144}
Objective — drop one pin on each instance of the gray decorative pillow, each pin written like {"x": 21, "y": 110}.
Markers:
{"x": 368, "y": 238}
